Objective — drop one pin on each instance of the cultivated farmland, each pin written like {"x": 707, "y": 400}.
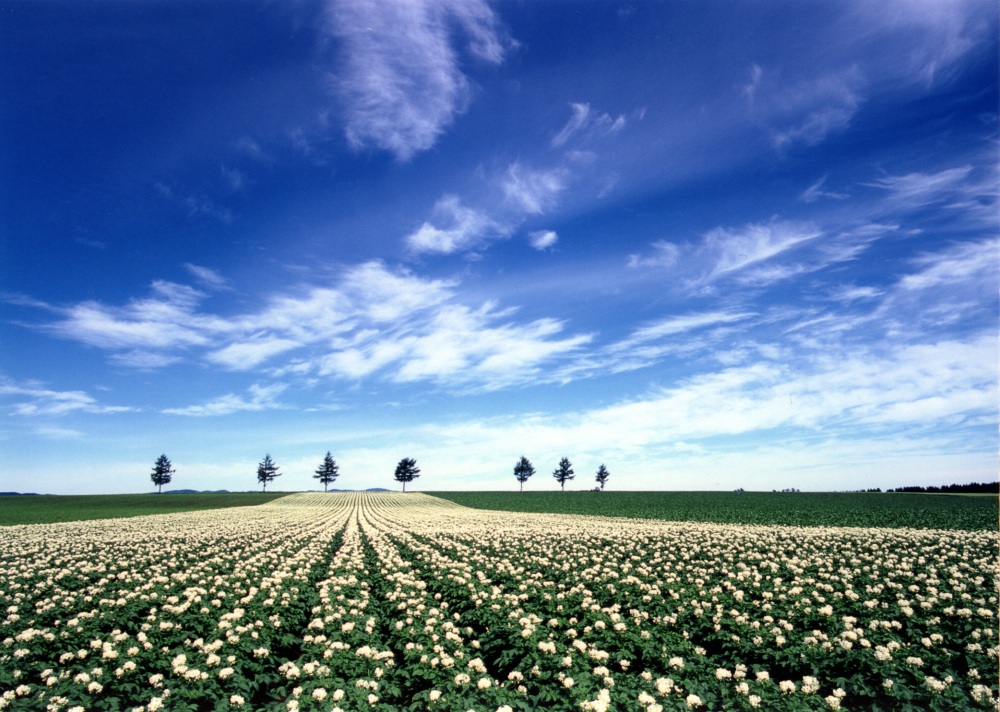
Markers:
{"x": 362, "y": 601}
{"x": 836, "y": 509}
{"x": 73, "y": 508}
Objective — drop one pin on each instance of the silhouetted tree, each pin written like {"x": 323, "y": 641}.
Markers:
{"x": 563, "y": 473}
{"x": 267, "y": 471}
{"x": 327, "y": 471}
{"x": 162, "y": 472}
{"x": 602, "y": 476}
{"x": 523, "y": 470}
{"x": 407, "y": 471}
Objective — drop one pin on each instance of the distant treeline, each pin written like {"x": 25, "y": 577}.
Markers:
{"x": 971, "y": 488}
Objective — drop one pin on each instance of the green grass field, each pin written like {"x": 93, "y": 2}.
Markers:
{"x": 918, "y": 511}
{"x": 48, "y": 509}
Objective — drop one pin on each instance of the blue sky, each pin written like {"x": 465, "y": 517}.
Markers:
{"x": 710, "y": 245}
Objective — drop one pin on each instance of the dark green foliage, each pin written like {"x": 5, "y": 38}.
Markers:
{"x": 971, "y": 488}
{"x": 970, "y": 513}
{"x": 564, "y": 472}
{"x": 162, "y": 472}
{"x": 407, "y": 471}
{"x": 267, "y": 471}
{"x": 47, "y": 510}
{"x": 523, "y": 470}
{"x": 327, "y": 471}
{"x": 602, "y": 476}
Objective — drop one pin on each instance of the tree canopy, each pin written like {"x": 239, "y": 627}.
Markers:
{"x": 523, "y": 470}
{"x": 267, "y": 471}
{"x": 328, "y": 471}
{"x": 564, "y": 473}
{"x": 162, "y": 472}
{"x": 602, "y": 476}
{"x": 407, "y": 471}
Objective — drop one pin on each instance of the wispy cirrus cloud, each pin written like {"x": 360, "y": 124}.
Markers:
{"x": 520, "y": 190}
{"x": 745, "y": 253}
{"x": 543, "y": 239}
{"x": 33, "y": 399}
{"x": 939, "y": 35}
{"x": 582, "y": 119}
{"x": 458, "y": 346}
{"x": 400, "y": 78}
{"x": 918, "y": 190}
{"x": 208, "y": 277}
{"x": 803, "y": 111}
{"x": 454, "y": 227}
{"x": 167, "y": 319}
{"x": 373, "y": 323}
{"x": 965, "y": 262}
{"x": 733, "y": 250}
{"x": 532, "y": 191}
{"x": 817, "y": 191}
{"x": 673, "y": 325}
{"x": 258, "y": 398}
{"x": 917, "y": 401}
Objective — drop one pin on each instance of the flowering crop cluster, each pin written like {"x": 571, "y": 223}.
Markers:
{"x": 365, "y": 601}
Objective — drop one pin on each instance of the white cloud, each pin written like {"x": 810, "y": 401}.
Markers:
{"x": 463, "y": 229}
{"x": 804, "y": 111}
{"x": 543, "y": 239}
{"x": 815, "y": 192}
{"x": 145, "y": 360}
{"x": 260, "y": 398}
{"x": 54, "y": 433}
{"x": 916, "y": 190}
{"x": 734, "y": 250}
{"x": 666, "y": 254}
{"x": 373, "y": 322}
{"x": 400, "y": 79}
{"x": 938, "y": 34}
{"x": 744, "y": 253}
{"x": 958, "y": 264}
{"x": 455, "y": 227}
{"x": 208, "y": 277}
{"x": 532, "y": 191}
{"x": 457, "y": 347}
{"x": 854, "y": 399}
{"x": 583, "y": 120}
{"x": 246, "y": 355}
{"x": 164, "y": 320}
{"x": 575, "y": 123}
{"x": 43, "y": 401}
{"x": 849, "y": 293}
{"x": 674, "y": 325}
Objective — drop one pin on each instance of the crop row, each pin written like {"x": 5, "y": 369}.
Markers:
{"x": 362, "y": 601}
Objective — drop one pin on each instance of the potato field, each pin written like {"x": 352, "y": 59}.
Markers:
{"x": 383, "y": 601}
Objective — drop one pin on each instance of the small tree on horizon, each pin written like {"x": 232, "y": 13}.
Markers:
{"x": 162, "y": 472}
{"x": 267, "y": 471}
{"x": 407, "y": 471}
{"x": 564, "y": 473}
{"x": 602, "y": 476}
{"x": 327, "y": 471}
{"x": 523, "y": 470}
